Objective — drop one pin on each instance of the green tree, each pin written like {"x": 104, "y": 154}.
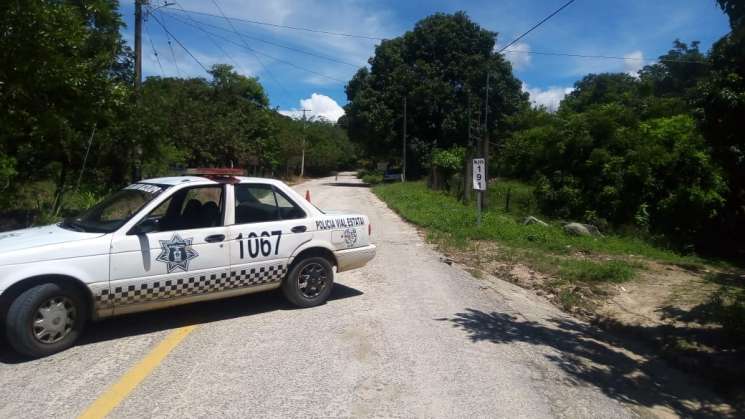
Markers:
{"x": 56, "y": 59}
{"x": 195, "y": 122}
{"x": 599, "y": 89}
{"x": 720, "y": 99}
{"x": 440, "y": 67}
{"x": 677, "y": 72}
{"x": 328, "y": 147}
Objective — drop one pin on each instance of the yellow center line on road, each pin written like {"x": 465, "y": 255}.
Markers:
{"x": 129, "y": 381}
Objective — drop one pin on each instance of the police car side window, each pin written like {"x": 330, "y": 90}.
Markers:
{"x": 255, "y": 203}
{"x": 258, "y": 203}
{"x": 288, "y": 210}
{"x": 198, "y": 207}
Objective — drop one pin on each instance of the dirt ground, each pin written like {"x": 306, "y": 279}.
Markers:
{"x": 666, "y": 307}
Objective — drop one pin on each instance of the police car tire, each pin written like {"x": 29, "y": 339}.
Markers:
{"x": 292, "y": 292}
{"x": 21, "y": 313}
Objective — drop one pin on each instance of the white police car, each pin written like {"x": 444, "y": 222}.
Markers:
{"x": 168, "y": 241}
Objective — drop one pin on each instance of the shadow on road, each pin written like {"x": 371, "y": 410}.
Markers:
{"x": 185, "y": 315}
{"x": 593, "y": 358}
{"x": 348, "y": 184}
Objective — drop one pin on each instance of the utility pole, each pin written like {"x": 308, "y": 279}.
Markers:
{"x": 138, "y": 44}
{"x": 468, "y": 156}
{"x": 302, "y": 159}
{"x": 403, "y": 158}
{"x": 136, "y": 169}
{"x": 485, "y": 143}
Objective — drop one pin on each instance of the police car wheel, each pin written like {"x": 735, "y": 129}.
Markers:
{"x": 45, "y": 319}
{"x": 309, "y": 282}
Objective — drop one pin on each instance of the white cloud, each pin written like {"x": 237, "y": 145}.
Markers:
{"x": 320, "y": 106}
{"x": 634, "y": 63}
{"x": 550, "y": 98}
{"x": 518, "y": 56}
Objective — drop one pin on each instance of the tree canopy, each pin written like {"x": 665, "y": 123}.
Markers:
{"x": 440, "y": 68}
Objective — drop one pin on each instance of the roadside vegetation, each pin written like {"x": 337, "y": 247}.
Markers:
{"x": 371, "y": 177}
{"x": 656, "y": 154}
{"x": 73, "y": 128}
{"x": 455, "y": 221}
{"x": 691, "y": 308}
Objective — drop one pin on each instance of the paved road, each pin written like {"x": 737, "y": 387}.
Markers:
{"x": 407, "y": 336}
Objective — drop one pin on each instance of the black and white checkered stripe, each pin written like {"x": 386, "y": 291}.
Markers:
{"x": 144, "y": 291}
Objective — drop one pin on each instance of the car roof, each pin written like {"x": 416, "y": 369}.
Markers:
{"x": 177, "y": 180}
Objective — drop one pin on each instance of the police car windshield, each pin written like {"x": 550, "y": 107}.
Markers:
{"x": 111, "y": 213}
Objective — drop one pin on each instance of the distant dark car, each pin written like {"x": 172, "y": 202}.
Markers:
{"x": 392, "y": 175}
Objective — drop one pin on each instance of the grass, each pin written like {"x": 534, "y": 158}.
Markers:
{"x": 588, "y": 271}
{"x": 581, "y": 267}
{"x": 447, "y": 219}
{"x": 372, "y": 179}
{"x": 512, "y": 197}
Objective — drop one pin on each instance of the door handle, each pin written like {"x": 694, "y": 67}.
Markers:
{"x": 299, "y": 229}
{"x": 214, "y": 238}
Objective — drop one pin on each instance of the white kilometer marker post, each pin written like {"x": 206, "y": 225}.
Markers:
{"x": 479, "y": 185}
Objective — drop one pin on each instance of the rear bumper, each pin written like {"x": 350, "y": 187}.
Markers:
{"x": 354, "y": 258}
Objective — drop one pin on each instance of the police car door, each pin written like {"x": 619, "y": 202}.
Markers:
{"x": 176, "y": 251}
{"x": 268, "y": 228}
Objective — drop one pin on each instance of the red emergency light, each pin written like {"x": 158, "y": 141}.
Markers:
{"x": 218, "y": 174}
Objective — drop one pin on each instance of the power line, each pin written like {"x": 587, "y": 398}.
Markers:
{"x": 291, "y": 48}
{"x": 296, "y": 28}
{"x": 291, "y": 64}
{"x": 155, "y": 51}
{"x": 217, "y": 44}
{"x": 180, "y": 44}
{"x": 537, "y": 25}
{"x": 170, "y": 47}
{"x": 173, "y": 55}
{"x": 606, "y": 57}
{"x": 287, "y": 93}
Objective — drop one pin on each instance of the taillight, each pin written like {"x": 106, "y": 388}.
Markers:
{"x": 369, "y": 229}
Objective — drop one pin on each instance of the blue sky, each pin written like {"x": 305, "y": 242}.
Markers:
{"x": 641, "y": 29}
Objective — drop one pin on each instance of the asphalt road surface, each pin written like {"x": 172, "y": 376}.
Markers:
{"x": 406, "y": 336}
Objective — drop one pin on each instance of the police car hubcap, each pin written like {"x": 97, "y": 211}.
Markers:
{"x": 312, "y": 280}
{"x": 54, "y": 320}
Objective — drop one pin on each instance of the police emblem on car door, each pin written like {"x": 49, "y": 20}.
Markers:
{"x": 176, "y": 253}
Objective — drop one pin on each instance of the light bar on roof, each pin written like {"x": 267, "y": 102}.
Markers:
{"x": 216, "y": 171}
{"x": 218, "y": 174}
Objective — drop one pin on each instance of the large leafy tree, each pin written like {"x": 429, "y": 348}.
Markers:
{"x": 56, "y": 62}
{"x": 197, "y": 122}
{"x": 721, "y": 101}
{"x": 440, "y": 67}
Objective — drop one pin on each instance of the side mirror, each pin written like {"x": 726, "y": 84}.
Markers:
{"x": 145, "y": 226}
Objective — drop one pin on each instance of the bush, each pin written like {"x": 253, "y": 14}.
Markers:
{"x": 77, "y": 202}
{"x": 604, "y": 165}
{"x": 372, "y": 179}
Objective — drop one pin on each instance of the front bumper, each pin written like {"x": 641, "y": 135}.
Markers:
{"x": 354, "y": 258}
